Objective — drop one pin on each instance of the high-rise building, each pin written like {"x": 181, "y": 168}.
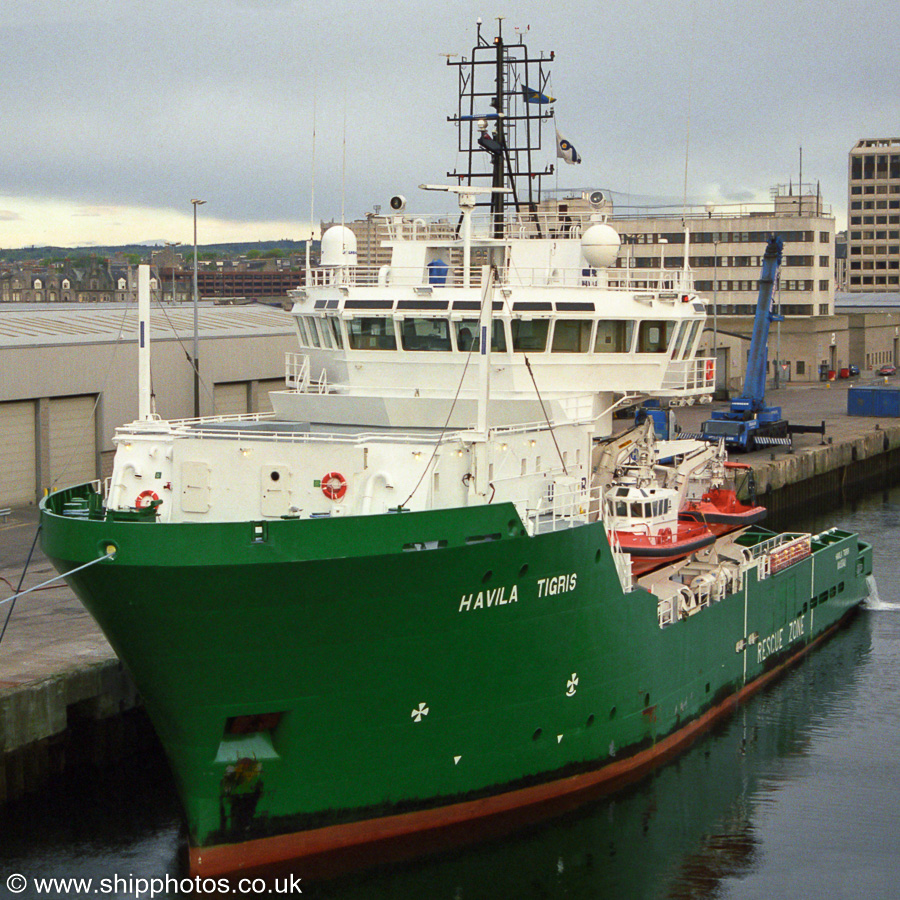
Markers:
{"x": 873, "y": 232}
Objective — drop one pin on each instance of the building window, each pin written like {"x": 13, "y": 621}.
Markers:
{"x": 801, "y": 367}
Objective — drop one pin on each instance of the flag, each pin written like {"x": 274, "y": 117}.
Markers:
{"x": 532, "y": 96}
{"x": 564, "y": 150}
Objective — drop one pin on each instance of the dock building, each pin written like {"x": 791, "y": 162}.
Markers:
{"x": 69, "y": 376}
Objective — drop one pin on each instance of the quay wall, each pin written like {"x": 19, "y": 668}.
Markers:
{"x": 87, "y": 714}
{"x": 820, "y": 477}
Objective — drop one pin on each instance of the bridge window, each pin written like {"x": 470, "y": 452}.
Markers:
{"x": 654, "y": 337}
{"x": 678, "y": 345}
{"x": 572, "y": 336}
{"x": 529, "y": 335}
{"x": 425, "y": 334}
{"x": 332, "y": 325}
{"x": 691, "y": 341}
{"x": 302, "y": 331}
{"x": 614, "y": 337}
{"x": 371, "y": 333}
{"x": 315, "y": 340}
{"x": 468, "y": 333}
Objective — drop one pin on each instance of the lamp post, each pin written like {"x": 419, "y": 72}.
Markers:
{"x": 196, "y": 203}
{"x": 716, "y": 306}
{"x": 662, "y": 262}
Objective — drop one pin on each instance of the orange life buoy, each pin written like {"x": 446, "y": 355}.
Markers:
{"x": 145, "y": 498}
{"x": 334, "y": 485}
{"x": 710, "y": 370}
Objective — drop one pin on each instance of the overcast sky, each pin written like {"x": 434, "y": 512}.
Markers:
{"x": 116, "y": 114}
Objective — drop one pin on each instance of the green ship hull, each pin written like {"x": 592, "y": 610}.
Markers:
{"x": 341, "y": 690}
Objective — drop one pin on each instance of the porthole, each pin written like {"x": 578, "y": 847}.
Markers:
{"x": 487, "y": 576}
{"x": 537, "y": 734}
{"x": 612, "y": 713}
{"x": 598, "y": 556}
{"x": 590, "y": 721}
{"x": 275, "y": 475}
{"x": 523, "y": 571}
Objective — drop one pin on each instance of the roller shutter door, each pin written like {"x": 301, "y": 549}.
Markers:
{"x": 17, "y": 454}
{"x": 272, "y": 384}
{"x": 73, "y": 440}
{"x": 230, "y": 398}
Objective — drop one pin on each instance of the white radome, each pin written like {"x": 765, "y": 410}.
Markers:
{"x": 600, "y": 245}
{"x": 339, "y": 247}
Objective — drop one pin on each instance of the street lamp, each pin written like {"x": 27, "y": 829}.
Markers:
{"x": 716, "y": 304}
{"x": 196, "y": 203}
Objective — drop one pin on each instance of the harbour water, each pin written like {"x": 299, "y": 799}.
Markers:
{"x": 795, "y": 796}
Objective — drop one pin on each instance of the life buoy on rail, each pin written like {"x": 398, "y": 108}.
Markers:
{"x": 710, "y": 370}
{"x": 145, "y": 498}
{"x": 334, "y": 485}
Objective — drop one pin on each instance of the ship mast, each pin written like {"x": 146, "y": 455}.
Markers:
{"x": 499, "y": 157}
{"x": 500, "y": 131}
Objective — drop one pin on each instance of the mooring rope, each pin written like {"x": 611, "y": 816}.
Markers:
{"x": 37, "y": 587}
{"x": 21, "y": 580}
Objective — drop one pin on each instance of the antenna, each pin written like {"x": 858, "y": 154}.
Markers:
{"x": 687, "y": 137}
{"x": 344, "y": 158}
{"x": 312, "y": 196}
{"x": 499, "y": 123}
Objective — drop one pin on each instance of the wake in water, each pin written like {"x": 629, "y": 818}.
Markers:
{"x": 874, "y": 601}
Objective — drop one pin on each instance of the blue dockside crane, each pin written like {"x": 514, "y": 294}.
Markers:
{"x": 748, "y": 422}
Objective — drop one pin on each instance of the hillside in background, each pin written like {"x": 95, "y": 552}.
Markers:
{"x": 143, "y": 251}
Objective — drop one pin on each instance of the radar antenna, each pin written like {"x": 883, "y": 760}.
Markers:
{"x": 503, "y": 105}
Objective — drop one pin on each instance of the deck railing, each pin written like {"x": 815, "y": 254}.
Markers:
{"x": 297, "y": 375}
{"x": 568, "y": 504}
{"x": 665, "y": 285}
{"x": 695, "y": 375}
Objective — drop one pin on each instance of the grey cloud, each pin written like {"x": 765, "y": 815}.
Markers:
{"x": 154, "y": 103}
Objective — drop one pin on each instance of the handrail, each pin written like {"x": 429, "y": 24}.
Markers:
{"x": 653, "y": 281}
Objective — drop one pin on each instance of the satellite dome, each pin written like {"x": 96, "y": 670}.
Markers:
{"x": 600, "y": 245}
{"x": 338, "y": 247}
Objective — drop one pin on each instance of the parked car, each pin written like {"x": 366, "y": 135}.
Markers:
{"x": 854, "y": 371}
{"x": 887, "y": 370}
